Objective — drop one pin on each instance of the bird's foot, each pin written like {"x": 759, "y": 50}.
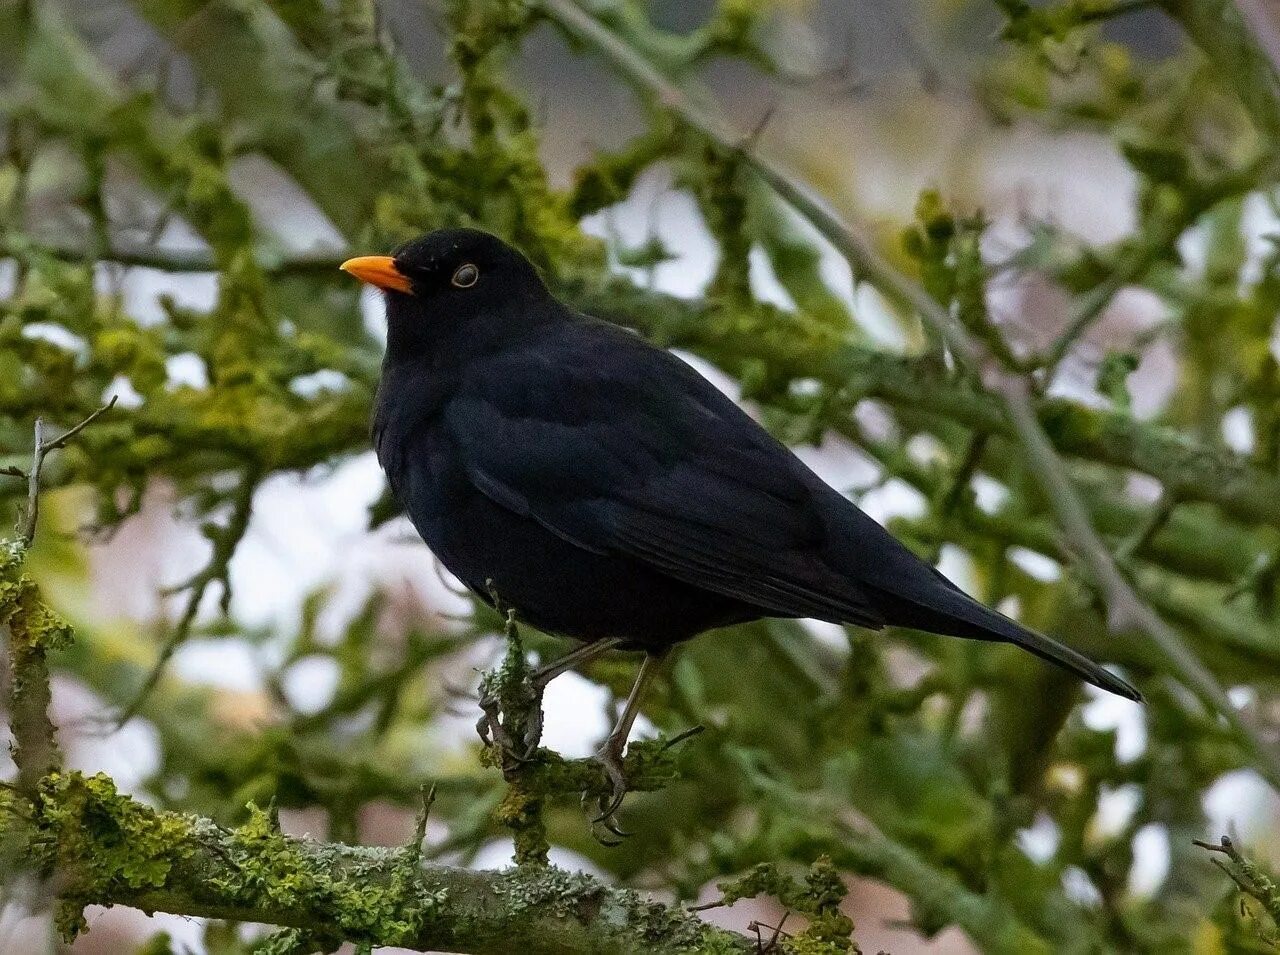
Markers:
{"x": 492, "y": 728}
{"x": 609, "y": 756}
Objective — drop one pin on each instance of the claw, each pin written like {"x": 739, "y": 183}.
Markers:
{"x": 610, "y": 828}
{"x": 610, "y": 759}
{"x": 609, "y": 756}
{"x": 533, "y": 732}
{"x": 613, "y": 827}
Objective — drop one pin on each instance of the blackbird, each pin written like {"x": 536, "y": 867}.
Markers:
{"x": 607, "y": 492}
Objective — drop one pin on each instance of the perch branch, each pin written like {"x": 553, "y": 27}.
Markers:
{"x": 109, "y": 849}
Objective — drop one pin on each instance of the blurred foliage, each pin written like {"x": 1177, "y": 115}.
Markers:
{"x": 917, "y": 761}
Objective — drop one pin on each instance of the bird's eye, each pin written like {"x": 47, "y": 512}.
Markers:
{"x": 466, "y": 276}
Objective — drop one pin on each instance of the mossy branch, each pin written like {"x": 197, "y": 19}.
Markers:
{"x": 33, "y": 628}
{"x": 1252, "y": 879}
{"x": 108, "y": 849}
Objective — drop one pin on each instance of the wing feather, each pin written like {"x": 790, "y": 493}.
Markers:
{"x": 672, "y": 474}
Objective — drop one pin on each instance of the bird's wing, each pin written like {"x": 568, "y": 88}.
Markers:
{"x": 618, "y": 447}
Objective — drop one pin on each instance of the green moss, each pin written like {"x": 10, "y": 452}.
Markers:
{"x": 818, "y": 896}
{"x": 108, "y": 844}
{"x": 113, "y": 847}
{"x": 31, "y": 622}
{"x": 363, "y": 904}
{"x": 521, "y": 811}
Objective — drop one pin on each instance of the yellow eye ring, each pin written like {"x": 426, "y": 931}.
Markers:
{"x": 466, "y": 276}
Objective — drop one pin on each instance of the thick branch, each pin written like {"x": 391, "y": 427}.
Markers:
{"x": 108, "y": 849}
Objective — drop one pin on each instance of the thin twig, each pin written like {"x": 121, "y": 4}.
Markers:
{"x": 1132, "y": 266}
{"x": 964, "y": 473}
{"x": 428, "y": 798}
{"x": 218, "y": 569}
{"x": 41, "y": 449}
{"x": 1155, "y": 522}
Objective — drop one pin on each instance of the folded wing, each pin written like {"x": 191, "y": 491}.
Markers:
{"x": 580, "y": 439}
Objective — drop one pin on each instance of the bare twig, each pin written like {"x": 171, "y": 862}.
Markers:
{"x": 41, "y": 448}
{"x": 218, "y": 569}
{"x": 420, "y": 823}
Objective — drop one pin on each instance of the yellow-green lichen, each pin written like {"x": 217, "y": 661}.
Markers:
{"x": 104, "y": 843}
{"x": 363, "y": 902}
{"x": 817, "y": 896}
{"x": 31, "y": 622}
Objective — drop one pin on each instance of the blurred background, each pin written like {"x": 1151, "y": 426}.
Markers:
{"x": 255, "y": 620}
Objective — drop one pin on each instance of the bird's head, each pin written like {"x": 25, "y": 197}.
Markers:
{"x": 447, "y": 282}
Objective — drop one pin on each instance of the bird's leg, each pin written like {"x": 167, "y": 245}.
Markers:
{"x": 609, "y": 754}
{"x": 585, "y": 653}
{"x": 544, "y": 674}
{"x": 490, "y": 726}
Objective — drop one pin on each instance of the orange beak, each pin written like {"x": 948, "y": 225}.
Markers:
{"x": 379, "y": 270}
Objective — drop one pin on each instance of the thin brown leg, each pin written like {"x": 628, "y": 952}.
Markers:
{"x": 540, "y": 677}
{"x": 588, "y": 651}
{"x": 610, "y": 754}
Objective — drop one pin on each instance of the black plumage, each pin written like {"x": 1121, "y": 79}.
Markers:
{"x": 606, "y": 488}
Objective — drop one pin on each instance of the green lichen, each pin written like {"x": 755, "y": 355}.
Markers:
{"x": 363, "y": 903}
{"x": 548, "y": 890}
{"x": 294, "y": 941}
{"x": 113, "y": 847}
{"x": 563, "y": 894}
{"x": 818, "y": 897}
{"x": 107, "y": 844}
{"x": 32, "y": 623}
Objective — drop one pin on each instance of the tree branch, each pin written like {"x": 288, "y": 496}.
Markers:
{"x": 148, "y": 256}
{"x": 108, "y": 849}
{"x": 42, "y": 446}
{"x": 1191, "y": 470}
{"x": 1217, "y": 28}
{"x": 33, "y": 629}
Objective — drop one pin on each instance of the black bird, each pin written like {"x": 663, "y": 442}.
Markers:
{"x": 610, "y": 492}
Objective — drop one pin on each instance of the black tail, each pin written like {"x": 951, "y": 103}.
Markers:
{"x": 949, "y": 611}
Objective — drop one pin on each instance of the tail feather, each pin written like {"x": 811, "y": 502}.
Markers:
{"x": 949, "y": 611}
